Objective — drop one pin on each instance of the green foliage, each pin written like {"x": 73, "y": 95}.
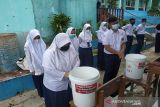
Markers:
{"x": 155, "y": 9}
{"x": 94, "y": 35}
{"x": 112, "y": 3}
{"x": 154, "y": 12}
{"x": 48, "y": 40}
{"x": 78, "y": 31}
{"x": 155, "y": 4}
{"x": 98, "y": 24}
{"x": 60, "y": 22}
{"x": 123, "y": 22}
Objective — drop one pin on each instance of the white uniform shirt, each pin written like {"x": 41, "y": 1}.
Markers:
{"x": 141, "y": 29}
{"x": 129, "y": 28}
{"x": 101, "y": 35}
{"x": 101, "y": 32}
{"x": 85, "y": 38}
{"x": 56, "y": 63}
{"x": 34, "y": 50}
{"x": 114, "y": 39}
{"x": 157, "y": 31}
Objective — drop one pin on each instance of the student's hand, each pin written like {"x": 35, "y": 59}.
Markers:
{"x": 66, "y": 75}
{"x": 135, "y": 32}
{"x": 121, "y": 55}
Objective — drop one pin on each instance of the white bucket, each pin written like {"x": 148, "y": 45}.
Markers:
{"x": 84, "y": 84}
{"x": 135, "y": 65}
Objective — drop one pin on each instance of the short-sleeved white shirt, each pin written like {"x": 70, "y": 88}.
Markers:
{"x": 129, "y": 28}
{"x": 141, "y": 29}
{"x": 114, "y": 39}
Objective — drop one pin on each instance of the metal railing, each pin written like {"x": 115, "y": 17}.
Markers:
{"x": 104, "y": 13}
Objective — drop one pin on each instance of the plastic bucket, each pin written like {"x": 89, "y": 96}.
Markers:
{"x": 135, "y": 65}
{"x": 84, "y": 84}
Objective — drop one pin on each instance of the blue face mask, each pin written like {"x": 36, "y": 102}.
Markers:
{"x": 72, "y": 36}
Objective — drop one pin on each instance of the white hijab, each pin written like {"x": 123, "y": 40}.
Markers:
{"x": 102, "y": 25}
{"x": 75, "y": 40}
{"x": 87, "y": 37}
{"x": 100, "y": 32}
{"x": 36, "y": 47}
{"x": 56, "y": 59}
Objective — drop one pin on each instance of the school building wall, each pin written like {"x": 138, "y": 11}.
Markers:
{"x": 19, "y": 16}
{"x": 80, "y": 11}
{"x": 43, "y": 10}
{"x": 16, "y": 17}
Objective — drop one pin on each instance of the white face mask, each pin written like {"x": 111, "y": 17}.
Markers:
{"x": 143, "y": 23}
{"x": 104, "y": 28}
{"x": 88, "y": 31}
{"x": 115, "y": 26}
{"x": 36, "y": 40}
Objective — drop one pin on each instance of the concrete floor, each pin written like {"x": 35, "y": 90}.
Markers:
{"x": 30, "y": 98}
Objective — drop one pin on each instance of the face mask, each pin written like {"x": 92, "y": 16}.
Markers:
{"x": 88, "y": 31}
{"x": 72, "y": 36}
{"x": 143, "y": 23}
{"x": 65, "y": 48}
{"x": 132, "y": 23}
{"x": 36, "y": 40}
{"x": 115, "y": 26}
{"x": 104, "y": 28}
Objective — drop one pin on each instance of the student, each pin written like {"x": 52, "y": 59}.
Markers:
{"x": 100, "y": 35}
{"x": 72, "y": 35}
{"x": 140, "y": 35}
{"x": 85, "y": 49}
{"x": 34, "y": 49}
{"x": 157, "y": 42}
{"x": 129, "y": 29}
{"x": 58, "y": 60}
{"x": 114, "y": 48}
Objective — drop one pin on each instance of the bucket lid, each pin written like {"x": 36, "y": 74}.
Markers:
{"x": 84, "y": 74}
{"x": 135, "y": 57}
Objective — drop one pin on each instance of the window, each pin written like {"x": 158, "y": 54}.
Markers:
{"x": 130, "y": 4}
{"x": 141, "y": 4}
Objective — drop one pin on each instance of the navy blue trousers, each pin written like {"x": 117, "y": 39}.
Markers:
{"x": 57, "y": 99}
{"x": 38, "y": 82}
{"x": 128, "y": 44}
{"x": 112, "y": 63}
{"x": 159, "y": 93}
{"x": 100, "y": 61}
{"x": 86, "y": 57}
{"x": 140, "y": 42}
{"x": 157, "y": 43}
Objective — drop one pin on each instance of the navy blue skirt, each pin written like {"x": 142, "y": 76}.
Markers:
{"x": 57, "y": 99}
{"x": 86, "y": 57}
{"x": 101, "y": 62}
{"x": 38, "y": 82}
{"x": 157, "y": 43}
{"x": 159, "y": 93}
